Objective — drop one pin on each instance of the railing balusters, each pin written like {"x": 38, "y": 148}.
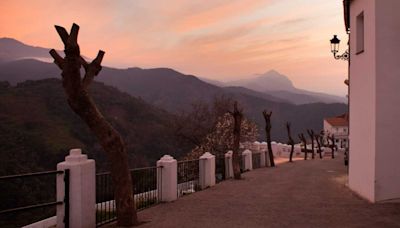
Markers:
{"x": 23, "y": 212}
{"x": 188, "y": 177}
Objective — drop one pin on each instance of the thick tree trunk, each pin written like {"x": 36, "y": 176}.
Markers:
{"x": 303, "y": 139}
{"x": 290, "y": 142}
{"x": 319, "y": 145}
{"x": 81, "y": 103}
{"x": 237, "y": 116}
{"x": 333, "y": 146}
{"x": 267, "y": 117}
{"x": 311, "y": 134}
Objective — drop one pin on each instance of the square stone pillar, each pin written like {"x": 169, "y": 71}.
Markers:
{"x": 256, "y": 146}
{"x": 207, "y": 170}
{"x": 82, "y": 190}
{"x": 167, "y": 178}
{"x": 262, "y": 159}
{"x": 228, "y": 165}
{"x": 247, "y": 159}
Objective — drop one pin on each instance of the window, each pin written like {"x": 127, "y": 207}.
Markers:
{"x": 360, "y": 33}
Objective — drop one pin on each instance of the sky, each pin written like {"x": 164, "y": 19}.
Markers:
{"x": 222, "y": 40}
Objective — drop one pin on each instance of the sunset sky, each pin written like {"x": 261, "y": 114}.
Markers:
{"x": 217, "y": 39}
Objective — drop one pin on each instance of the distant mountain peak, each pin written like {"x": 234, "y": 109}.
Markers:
{"x": 272, "y": 72}
{"x": 272, "y": 80}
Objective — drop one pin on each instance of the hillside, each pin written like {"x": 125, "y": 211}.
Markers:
{"x": 11, "y": 49}
{"x": 175, "y": 92}
{"x": 37, "y": 125}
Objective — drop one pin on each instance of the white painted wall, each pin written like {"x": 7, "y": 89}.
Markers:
{"x": 387, "y": 176}
{"x": 374, "y": 101}
{"x": 362, "y": 103}
{"x": 336, "y": 130}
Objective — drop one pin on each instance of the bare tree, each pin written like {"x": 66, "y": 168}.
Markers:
{"x": 237, "y": 116}
{"x": 303, "y": 139}
{"x": 76, "y": 89}
{"x": 267, "y": 117}
{"x": 290, "y": 142}
{"x": 332, "y": 145}
{"x": 311, "y": 134}
{"x": 208, "y": 128}
{"x": 318, "y": 140}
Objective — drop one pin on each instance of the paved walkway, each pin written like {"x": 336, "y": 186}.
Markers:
{"x": 308, "y": 193}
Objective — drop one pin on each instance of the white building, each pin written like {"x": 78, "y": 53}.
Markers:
{"x": 339, "y": 127}
{"x": 374, "y": 166}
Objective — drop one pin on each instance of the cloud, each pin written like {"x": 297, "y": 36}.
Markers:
{"x": 216, "y": 39}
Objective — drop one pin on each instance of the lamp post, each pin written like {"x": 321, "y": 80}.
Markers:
{"x": 335, "y": 49}
{"x": 345, "y": 56}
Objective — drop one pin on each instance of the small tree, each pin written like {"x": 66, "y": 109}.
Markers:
{"x": 267, "y": 118}
{"x": 332, "y": 145}
{"x": 76, "y": 89}
{"x": 311, "y": 134}
{"x": 237, "y": 116}
{"x": 318, "y": 140}
{"x": 220, "y": 140}
{"x": 290, "y": 141}
{"x": 208, "y": 128}
{"x": 193, "y": 126}
{"x": 304, "y": 140}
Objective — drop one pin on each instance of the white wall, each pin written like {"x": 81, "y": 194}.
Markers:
{"x": 387, "y": 100}
{"x": 362, "y": 103}
{"x": 374, "y": 102}
{"x": 336, "y": 130}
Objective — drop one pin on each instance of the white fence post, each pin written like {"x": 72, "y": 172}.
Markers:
{"x": 207, "y": 170}
{"x": 82, "y": 190}
{"x": 167, "y": 178}
{"x": 228, "y": 165}
{"x": 248, "y": 160}
{"x": 263, "y": 151}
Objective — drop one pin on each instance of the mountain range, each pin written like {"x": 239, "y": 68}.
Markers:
{"x": 176, "y": 92}
{"x": 280, "y": 86}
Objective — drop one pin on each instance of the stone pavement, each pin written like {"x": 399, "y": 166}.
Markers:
{"x": 308, "y": 193}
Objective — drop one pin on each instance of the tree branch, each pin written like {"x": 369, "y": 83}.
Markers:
{"x": 62, "y": 32}
{"x": 73, "y": 35}
{"x": 58, "y": 60}
{"x": 93, "y": 69}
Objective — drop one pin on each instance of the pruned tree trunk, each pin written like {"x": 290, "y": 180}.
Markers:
{"x": 290, "y": 142}
{"x": 267, "y": 117}
{"x": 303, "y": 139}
{"x": 311, "y": 134}
{"x": 237, "y": 116}
{"x": 317, "y": 139}
{"x": 81, "y": 103}
{"x": 332, "y": 146}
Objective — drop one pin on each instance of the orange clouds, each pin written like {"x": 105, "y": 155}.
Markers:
{"x": 222, "y": 12}
{"x": 219, "y": 39}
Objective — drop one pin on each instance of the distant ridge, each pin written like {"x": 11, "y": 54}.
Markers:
{"x": 176, "y": 92}
{"x": 279, "y": 85}
{"x": 12, "y": 49}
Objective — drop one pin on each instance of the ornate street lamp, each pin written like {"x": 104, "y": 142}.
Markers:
{"x": 335, "y": 49}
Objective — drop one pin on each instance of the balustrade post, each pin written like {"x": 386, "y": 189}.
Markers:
{"x": 82, "y": 191}
{"x": 228, "y": 165}
{"x": 167, "y": 178}
{"x": 247, "y": 159}
{"x": 207, "y": 170}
